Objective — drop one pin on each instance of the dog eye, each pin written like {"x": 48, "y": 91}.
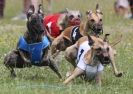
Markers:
{"x": 107, "y": 48}
{"x": 79, "y": 16}
{"x": 101, "y": 20}
{"x": 99, "y": 49}
{"x": 92, "y": 20}
{"x": 71, "y": 17}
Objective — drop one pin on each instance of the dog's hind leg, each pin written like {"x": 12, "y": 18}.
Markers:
{"x": 9, "y": 62}
{"x": 13, "y": 74}
{"x": 53, "y": 66}
{"x": 71, "y": 54}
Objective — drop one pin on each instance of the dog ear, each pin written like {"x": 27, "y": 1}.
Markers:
{"x": 106, "y": 38}
{"x": 91, "y": 42}
{"x": 80, "y": 14}
{"x": 88, "y": 12}
{"x": 30, "y": 11}
{"x": 97, "y": 6}
{"x": 40, "y": 10}
{"x": 98, "y": 9}
{"x": 67, "y": 10}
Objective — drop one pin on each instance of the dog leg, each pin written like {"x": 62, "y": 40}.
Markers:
{"x": 71, "y": 54}
{"x": 111, "y": 53}
{"x": 53, "y": 66}
{"x": 9, "y": 62}
{"x": 13, "y": 74}
{"x": 75, "y": 73}
{"x": 54, "y": 46}
{"x": 98, "y": 78}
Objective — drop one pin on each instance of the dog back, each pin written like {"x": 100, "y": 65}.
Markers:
{"x": 75, "y": 34}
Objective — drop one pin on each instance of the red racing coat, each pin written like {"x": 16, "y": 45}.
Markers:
{"x": 50, "y": 22}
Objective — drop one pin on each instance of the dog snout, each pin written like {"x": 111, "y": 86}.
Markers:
{"x": 106, "y": 60}
{"x": 77, "y": 21}
{"x": 97, "y": 28}
{"x": 40, "y": 27}
{"x": 105, "y": 54}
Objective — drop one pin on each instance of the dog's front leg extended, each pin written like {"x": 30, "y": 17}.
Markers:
{"x": 111, "y": 53}
{"x": 54, "y": 49}
{"x": 54, "y": 67}
{"x": 75, "y": 73}
{"x": 98, "y": 78}
{"x": 47, "y": 61}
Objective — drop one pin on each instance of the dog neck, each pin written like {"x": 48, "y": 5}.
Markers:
{"x": 32, "y": 38}
{"x": 91, "y": 59}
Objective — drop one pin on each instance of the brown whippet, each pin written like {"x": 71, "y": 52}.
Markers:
{"x": 93, "y": 53}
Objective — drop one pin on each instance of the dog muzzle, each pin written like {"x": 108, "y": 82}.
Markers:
{"x": 97, "y": 28}
{"x": 106, "y": 60}
{"x": 74, "y": 22}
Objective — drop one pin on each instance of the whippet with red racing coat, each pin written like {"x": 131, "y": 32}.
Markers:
{"x": 57, "y": 22}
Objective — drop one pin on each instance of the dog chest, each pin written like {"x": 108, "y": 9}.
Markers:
{"x": 91, "y": 71}
{"x": 35, "y": 49}
{"x": 83, "y": 48}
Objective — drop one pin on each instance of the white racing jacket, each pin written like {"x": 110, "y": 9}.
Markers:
{"x": 90, "y": 71}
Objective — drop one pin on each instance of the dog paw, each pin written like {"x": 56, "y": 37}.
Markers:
{"x": 119, "y": 74}
{"x": 61, "y": 80}
{"x": 13, "y": 75}
{"x": 69, "y": 73}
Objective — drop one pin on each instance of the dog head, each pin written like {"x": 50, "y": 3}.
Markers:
{"x": 73, "y": 16}
{"x": 99, "y": 50}
{"x": 35, "y": 21}
{"x": 94, "y": 20}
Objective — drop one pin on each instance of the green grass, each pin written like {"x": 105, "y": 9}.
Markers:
{"x": 42, "y": 80}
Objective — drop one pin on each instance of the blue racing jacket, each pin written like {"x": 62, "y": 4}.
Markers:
{"x": 35, "y": 49}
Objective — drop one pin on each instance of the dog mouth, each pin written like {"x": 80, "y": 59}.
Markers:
{"x": 106, "y": 60}
{"x": 75, "y": 21}
{"x": 98, "y": 29}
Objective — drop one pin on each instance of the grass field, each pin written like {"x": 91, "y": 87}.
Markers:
{"x": 42, "y": 80}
